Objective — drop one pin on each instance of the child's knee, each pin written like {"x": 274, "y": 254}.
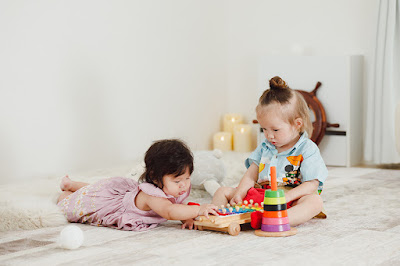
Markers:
{"x": 317, "y": 202}
{"x": 313, "y": 201}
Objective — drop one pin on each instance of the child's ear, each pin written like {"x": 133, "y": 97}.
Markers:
{"x": 298, "y": 123}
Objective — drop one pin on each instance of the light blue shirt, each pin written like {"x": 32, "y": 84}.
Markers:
{"x": 302, "y": 162}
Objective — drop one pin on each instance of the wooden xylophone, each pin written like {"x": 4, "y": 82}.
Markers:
{"x": 230, "y": 218}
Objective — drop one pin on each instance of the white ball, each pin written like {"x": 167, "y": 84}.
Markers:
{"x": 71, "y": 237}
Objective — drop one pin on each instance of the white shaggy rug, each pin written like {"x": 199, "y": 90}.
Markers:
{"x": 32, "y": 205}
{"x": 362, "y": 228}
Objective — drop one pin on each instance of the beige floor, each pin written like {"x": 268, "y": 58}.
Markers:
{"x": 363, "y": 228}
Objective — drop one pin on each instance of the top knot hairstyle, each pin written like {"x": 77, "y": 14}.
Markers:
{"x": 277, "y": 83}
{"x": 279, "y": 92}
{"x": 166, "y": 157}
{"x": 292, "y": 101}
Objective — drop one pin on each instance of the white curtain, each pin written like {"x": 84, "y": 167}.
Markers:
{"x": 384, "y": 91}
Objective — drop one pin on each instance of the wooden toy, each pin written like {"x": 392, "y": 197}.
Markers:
{"x": 229, "y": 220}
{"x": 275, "y": 221}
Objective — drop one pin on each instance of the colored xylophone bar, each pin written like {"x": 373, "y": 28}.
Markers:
{"x": 239, "y": 208}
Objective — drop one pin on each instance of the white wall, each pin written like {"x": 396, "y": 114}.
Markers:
{"x": 89, "y": 84}
{"x": 291, "y": 27}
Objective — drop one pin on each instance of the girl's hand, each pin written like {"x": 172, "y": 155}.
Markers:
{"x": 189, "y": 223}
{"x": 236, "y": 199}
{"x": 206, "y": 209}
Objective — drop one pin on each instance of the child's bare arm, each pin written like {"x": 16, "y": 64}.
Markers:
{"x": 306, "y": 188}
{"x": 247, "y": 182}
{"x": 171, "y": 211}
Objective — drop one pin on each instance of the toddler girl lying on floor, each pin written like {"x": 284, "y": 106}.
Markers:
{"x": 123, "y": 203}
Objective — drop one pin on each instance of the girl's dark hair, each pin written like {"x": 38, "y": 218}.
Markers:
{"x": 166, "y": 157}
{"x": 296, "y": 106}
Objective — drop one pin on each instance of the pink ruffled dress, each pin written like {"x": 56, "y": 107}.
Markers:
{"x": 111, "y": 202}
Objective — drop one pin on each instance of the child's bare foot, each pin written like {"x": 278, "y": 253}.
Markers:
{"x": 65, "y": 183}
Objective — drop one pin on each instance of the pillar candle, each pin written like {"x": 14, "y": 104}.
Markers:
{"x": 230, "y": 120}
{"x": 242, "y": 138}
{"x": 223, "y": 141}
